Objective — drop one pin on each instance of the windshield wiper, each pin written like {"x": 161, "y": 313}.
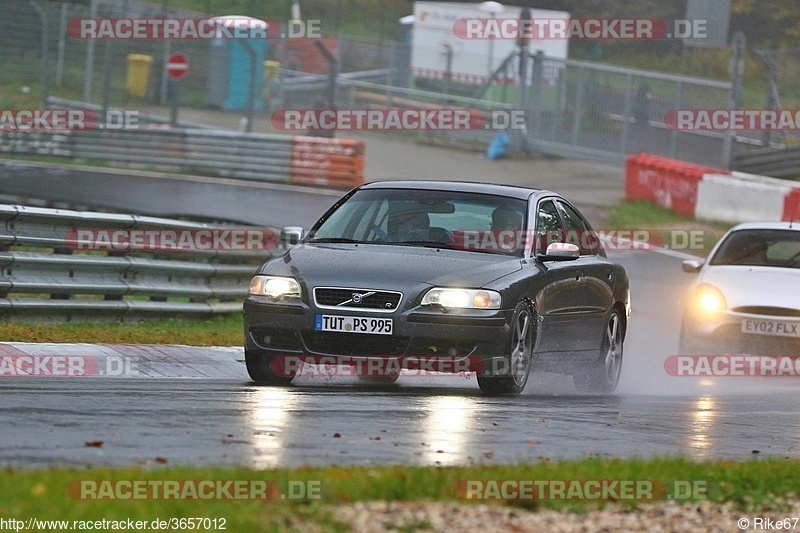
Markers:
{"x": 337, "y": 240}
{"x": 448, "y": 246}
{"x": 424, "y": 244}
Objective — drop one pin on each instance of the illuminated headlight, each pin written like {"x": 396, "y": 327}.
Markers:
{"x": 709, "y": 299}
{"x": 463, "y": 298}
{"x": 275, "y": 287}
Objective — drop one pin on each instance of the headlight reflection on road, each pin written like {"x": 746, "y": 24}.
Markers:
{"x": 269, "y": 418}
{"x": 447, "y": 428}
{"x": 703, "y": 417}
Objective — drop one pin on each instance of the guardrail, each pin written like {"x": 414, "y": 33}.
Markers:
{"x": 251, "y": 156}
{"x": 66, "y": 284}
{"x": 775, "y": 162}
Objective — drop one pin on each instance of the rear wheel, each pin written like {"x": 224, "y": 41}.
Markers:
{"x": 267, "y": 370}
{"x": 602, "y": 375}
{"x": 517, "y": 360}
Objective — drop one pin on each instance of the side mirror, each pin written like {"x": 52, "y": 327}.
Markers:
{"x": 561, "y": 251}
{"x": 692, "y": 266}
{"x": 291, "y": 234}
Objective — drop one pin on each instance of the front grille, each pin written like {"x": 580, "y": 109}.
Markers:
{"x": 354, "y": 344}
{"x": 386, "y": 301}
{"x": 767, "y": 311}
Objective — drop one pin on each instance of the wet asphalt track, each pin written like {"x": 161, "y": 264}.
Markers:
{"x": 214, "y": 415}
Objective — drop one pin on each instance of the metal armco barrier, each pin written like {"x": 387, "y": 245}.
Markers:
{"x": 252, "y": 156}
{"x": 775, "y": 162}
{"x": 112, "y": 285}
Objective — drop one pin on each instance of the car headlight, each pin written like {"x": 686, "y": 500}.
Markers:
{"x": 709, "y": 299}
{"x": 462, "y": 298}
{"x": 275, "y": 287}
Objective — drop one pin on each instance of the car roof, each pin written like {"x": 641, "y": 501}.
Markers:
{"x": 512, "y": 191}
{"x": 768, "y": 225}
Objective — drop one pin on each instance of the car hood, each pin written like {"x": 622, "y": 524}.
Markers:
{"x": 755, "y": 286}
{"x": 400, "y": 267}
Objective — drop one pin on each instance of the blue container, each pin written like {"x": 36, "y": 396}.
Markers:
{"x": 228, "y": 82}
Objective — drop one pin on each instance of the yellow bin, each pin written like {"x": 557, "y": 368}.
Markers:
{"x": 270, "y": 75}
{"x": 138, "y": 74}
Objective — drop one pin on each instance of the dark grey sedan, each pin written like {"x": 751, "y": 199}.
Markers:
{"x": 443, "y": 276}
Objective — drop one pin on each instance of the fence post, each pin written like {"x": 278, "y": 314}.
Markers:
{"x": 537, "y": 76}
{"x": 87, "y": 81}
{"x": 579, "y": 97}
{"x": 737, "y": 66}
{"x": 45, "y": 52}
{"x": 673, "y": 138}
{"x": 62, "y": 42}
{"x": 628, "y": 111}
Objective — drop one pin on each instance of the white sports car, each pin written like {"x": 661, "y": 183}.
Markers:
{"x": 747, "y": 295}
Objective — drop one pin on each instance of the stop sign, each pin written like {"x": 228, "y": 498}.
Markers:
{"x": 177, "y": 65}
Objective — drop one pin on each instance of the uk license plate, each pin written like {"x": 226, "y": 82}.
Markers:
{"x": 775, "y": 328}
{"x": 354, "y": 324}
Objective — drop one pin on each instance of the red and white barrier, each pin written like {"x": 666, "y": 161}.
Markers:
{"x": 739, "y": 197}
{"x": 711, "y": 194}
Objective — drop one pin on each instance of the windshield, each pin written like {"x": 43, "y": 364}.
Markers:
{"x": 760, "y": 247}
{"x": 438, "y": 219}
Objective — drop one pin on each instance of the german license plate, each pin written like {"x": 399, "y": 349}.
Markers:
{"x": 771, "y": 327}
{"x": 354, "y": 324}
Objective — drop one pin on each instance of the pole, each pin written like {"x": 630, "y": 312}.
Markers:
{"x": 518, "y": 139}
{"x": 106, "y": 81}
{"x": 734, "y": 99}
{"x": 45, "y": 53}
{"x": 174, "y": 86}
{"x": 62, "y": 43}
{"x": 87, "y": 81}
{"x": 251, "y": 89}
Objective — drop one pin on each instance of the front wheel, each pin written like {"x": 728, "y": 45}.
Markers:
{"x": 517, "y": 360}
{"x": 267, "y": 370}
{"x": 602, "y": 375}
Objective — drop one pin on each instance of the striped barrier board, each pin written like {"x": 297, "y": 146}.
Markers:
{"x": 710, "y": 194}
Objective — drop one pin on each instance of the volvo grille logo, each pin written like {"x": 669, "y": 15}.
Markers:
{"x": 356, "y": 298}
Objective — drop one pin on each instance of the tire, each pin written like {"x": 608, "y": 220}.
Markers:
{"x": 261, "y": 370}
{"x": 602, "y": 375}
{"x": 518, "y": 356}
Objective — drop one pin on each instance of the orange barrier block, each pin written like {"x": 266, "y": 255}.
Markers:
{"x": 666, "y": 182}
{"x": 332, "y": 162}
{"x": 791, "y": 206}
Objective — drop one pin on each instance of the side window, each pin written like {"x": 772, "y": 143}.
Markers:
{"x": 578, "y": 231}
{"x": 548, "y": 225}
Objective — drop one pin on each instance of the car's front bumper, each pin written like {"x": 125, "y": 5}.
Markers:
{"x": 452, "y": 339}
{"x": 722, "y": 333}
